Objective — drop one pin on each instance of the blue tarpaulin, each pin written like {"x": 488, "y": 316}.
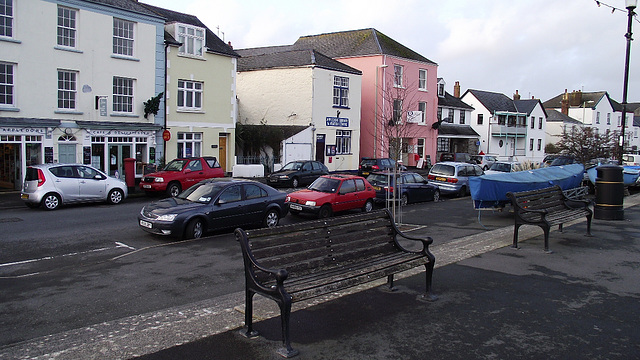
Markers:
{"x": 491, "y": 190}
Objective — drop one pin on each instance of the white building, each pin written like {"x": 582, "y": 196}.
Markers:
{"x": 303, "y": 89}
{"x": 73, "y": 79}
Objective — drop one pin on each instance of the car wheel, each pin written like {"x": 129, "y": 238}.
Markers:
{"x": 271, "y": 219}
{"x": 295, "y": 182}
{"x": 115, "y": 196}
{"x": 195, "y": 229}
{"x": 404, "y": 200}
{"x": 173, "y": 189}
{"x": 32, "y": 205}
{"x": 436, "y": 196}
{"x": 462, "y": 192}
{"x": 325, "y": 211}
{"x": 368, "y": 206}
{"x": 51, "y": 201}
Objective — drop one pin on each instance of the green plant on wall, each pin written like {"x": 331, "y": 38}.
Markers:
{"x": 255, "y": 138}
{"x": 152, "y": 106}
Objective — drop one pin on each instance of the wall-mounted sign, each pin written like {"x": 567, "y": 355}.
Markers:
{"x": 166, "y": 135}
{"x": 335, "y": 121}
{"x": 102, "y": 104}
{"x": 86, "y": 155}
{"x": 48, "y": 154}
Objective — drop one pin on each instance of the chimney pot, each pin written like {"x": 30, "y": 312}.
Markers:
{"x": 456, "y": 89}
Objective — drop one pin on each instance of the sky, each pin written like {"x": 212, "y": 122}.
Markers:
{"x": 538, "y": 47}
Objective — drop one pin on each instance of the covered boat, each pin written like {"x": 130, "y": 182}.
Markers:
{"x": 490, "y": 191}
{"x": 630, "y": 175}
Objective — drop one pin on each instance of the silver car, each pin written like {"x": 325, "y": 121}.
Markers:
{"x": 52, "y": 185}
{"x": 453, "y": 177}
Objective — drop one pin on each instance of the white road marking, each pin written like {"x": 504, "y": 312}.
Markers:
{"x": 118, "y": 245}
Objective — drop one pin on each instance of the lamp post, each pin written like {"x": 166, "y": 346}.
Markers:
{"x": 375, "y": 126}
{"x": 630, "y": 5}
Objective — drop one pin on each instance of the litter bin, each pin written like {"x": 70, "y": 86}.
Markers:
{"x": 609, "y": 193}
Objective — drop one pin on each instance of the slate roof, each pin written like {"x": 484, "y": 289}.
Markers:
{"x": 213, "y": 43}
{"x": 596, "y": 97}
{"x": 527, "y": 105}
{"x": 493, "y": 101}
{"x": 447, "y": 129}
{"x": 130, "y": 5}
{"x": 556, "y": 116}
{"x": 358, "y": 43}
{"x": 451, "y": 101}
{"x": 294, "y": 58}
{"x": 28, "y": 122}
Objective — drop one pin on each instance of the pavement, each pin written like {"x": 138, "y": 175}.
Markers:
{"x": 495, "y": 302}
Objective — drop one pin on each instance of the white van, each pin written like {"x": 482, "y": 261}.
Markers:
{"x": 630, "y": 159}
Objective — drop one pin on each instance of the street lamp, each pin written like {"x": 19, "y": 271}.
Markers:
{"x": 630, "y": 5}
{"x": 375, "y": 126}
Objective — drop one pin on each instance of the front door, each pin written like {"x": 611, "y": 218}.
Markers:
{"x": 117, "y": 154}
{"x": 67, "y": 153}
{"x": 222, "y": 152}
{"x": 10, "y": 177}
{"x": 320, "y": 143}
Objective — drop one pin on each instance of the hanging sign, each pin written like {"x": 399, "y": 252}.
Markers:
{"x": 166, "y": 135}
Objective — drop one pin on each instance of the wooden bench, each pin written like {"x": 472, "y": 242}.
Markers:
{"x": 297, "y": 262}
{"x": 545, "y": 208}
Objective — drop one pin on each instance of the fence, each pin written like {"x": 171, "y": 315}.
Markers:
{"x": 266, "y": 161}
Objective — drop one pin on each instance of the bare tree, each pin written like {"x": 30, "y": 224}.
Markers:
{"x": 585, "y": 143}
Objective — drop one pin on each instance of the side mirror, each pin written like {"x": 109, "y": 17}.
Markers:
{"x": 186, "y": 171}
{"x": 98, "y": 177}
{"x": 220, "y": 202}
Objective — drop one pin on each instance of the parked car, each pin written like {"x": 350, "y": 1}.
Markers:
{"x": 503, "y": 167}
{"x": 485, "y": 161}
{"x": 368, "y": 165}
{"x": 563, "y": 160}
{"x": 548, "y": 159}
{"x": 180, "y": 174}
{"x": 332, "y": 193}
{"x": 52, "y": 185}
{"x": 453, "y": 177}
{"x": 456, "y": 157}
{"x": 631, "y": 159}
{"x": 296, "y": 173}
{"x": 412, "y": 187}
{"x": 214, "y": 204}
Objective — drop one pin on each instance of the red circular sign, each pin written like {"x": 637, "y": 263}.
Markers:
{"x": 166, "y": 135}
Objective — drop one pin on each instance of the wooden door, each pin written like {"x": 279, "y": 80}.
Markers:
{"x": 222, "y": 153}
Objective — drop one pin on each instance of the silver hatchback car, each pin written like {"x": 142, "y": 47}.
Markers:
{"x": 52, "y": 185}
{"x": 453, "y": 177}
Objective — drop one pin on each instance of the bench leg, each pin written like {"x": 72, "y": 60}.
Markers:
{"x": 248, "y": 315}
{"x": 429, "y": 295}
{"x": 285, "y": 314}
{"x": 515, "y": 236}
{"x": 560, "y": 227}
{"x": 546, "y": 230}
{"x": 589, "y": 224}
{"x": 391, "y": 288}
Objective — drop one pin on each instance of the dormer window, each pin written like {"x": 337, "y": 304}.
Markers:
{"x": 192, "y": 39}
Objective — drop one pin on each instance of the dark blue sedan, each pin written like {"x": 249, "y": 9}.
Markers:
{"x": 214, "y": 204}
{"x": 412, "y": 187}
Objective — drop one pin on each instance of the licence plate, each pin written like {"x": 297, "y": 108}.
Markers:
{"x": 378, "y": 188}
{"x": 146, "y": 186}
{"x": 146, "y": 224}
{"x": 295, "y": 207}
{"x": 24, "y": 196}
{"x": 441, "y": 179}
{"x": 365, "y": 173}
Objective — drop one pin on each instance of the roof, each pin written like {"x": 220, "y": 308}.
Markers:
{"x": 587, "y": 98}
{"x": 493, "y": 101}
{"x": 28, "y": 122}
{"x": 129, "y": 5}
{"x": 456, "y": 130}
{"x": 451, "y": 101}
{"x": 358, "y": 43}
{"x": 527, "y": 105}
{"x": 556, "y": 116}
{"x": 213, "y": 43}
{"x": 296, "y": 58}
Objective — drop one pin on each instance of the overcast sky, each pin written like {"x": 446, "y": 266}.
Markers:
{"x": 539, "y": 47}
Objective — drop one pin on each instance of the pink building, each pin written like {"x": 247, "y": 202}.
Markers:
{"x": 399, "y": 92}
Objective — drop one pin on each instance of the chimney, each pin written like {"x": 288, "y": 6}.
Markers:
{"x": 575, "y": 98}
{"x": 516, "y": 96}
{"x": 229, "y": 43}
{"x": 564, "y": 103}
{"x": 456, "y": 89}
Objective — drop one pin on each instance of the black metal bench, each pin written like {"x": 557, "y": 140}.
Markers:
{"x": 297, "y": 262}
{"x": 545, "y": 208}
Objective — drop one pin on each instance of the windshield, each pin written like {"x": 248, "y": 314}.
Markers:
{"x": 378, "y": 179}
{"x": 175, "y": 165}
{"x": 201, "y": 193}
{"x": 323, "y": 184}
{"x": 294, "y": 165}
{"x": 501, "y": 167}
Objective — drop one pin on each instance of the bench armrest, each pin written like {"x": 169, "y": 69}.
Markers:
{"x": 425, "y": 241}
{"x": 251, "y": 264}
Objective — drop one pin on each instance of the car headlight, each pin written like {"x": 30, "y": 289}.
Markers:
{"x": 310, "y": 203}
{"x": 167, "y": 217}
{"x": 159, "y": 179}
{"x": 287, "y": 199}
{"x": 284, "y": 176}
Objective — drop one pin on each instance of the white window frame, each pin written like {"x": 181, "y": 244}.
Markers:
{"x": 67, "y": 28}
{"x": 422, "y": 79}
{"x": 193, "y": 39}
{"x": 539, "y": 144}
{"x": 67, "y": 89}
{"x": 422, "y": 106}
{"x": 343, "y": 142}
{"x": 463, "y": 119}
{"x": 186, "y": 138}
{"x": 123, "y": 37}
{"x": 123, "y": 94}
{"x": 189, "y": 94}
{"x": 450, "y": 116}
{"x": 341, "y": 91}
{"x": 398, "y": 74}
{"x": 6, "y": 14}
{"x": 7, "y": 84}
{"x": 420, "y": 147}
{"x": 397, "y": 111}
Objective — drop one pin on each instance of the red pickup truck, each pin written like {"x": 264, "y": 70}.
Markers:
{"x": 181, "y": 174}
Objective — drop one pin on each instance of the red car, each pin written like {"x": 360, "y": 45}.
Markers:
{"x": 181, "y": 174}
{"x": 332, "y": 193}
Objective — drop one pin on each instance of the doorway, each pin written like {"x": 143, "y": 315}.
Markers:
{"x": 67, "y": 153}
{"x": 222, "y": 152}
{"x": 10, "y": 167}
{"x": 117, "y": 154}
{"x": 320, "y": 143}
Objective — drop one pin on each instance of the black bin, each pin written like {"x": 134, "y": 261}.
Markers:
{"x": 609, "y": 193}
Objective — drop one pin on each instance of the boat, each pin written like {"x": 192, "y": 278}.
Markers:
{"x": 630, "y": 175}
{"x": 490, "y": 190}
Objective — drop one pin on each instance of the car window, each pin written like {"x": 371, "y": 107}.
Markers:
{"x": 213, "y": 162}
{"x": 87, "y": 172}
{"x": 316, "y": 165}
{"x": 63, "y": 171}
{"x": 175, "y": 165}
{"x": 307, "y": 166}
{"x": 347, "y": 186}
{"x": 323, "y": 184}
{"x": 360, "y": 185}
{"x": 478, "y": 170}
{"x": 386, "y": 163}
{"x": 294, "y": 165}
{"x": 231, "y": 194}
{"x": 377, "y": 179}
{"x": 368, "y": 162}
{"x": 254, "y": 192}
{"x": 418, "y": 178}
{"x": 440, "y": 169}
{"x": 408, "y": 179}
{"x": 195, "y": 165}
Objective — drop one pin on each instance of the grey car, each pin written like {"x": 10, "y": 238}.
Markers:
{"x": 453, "y": 177}
{"x": 52, "y": 185}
